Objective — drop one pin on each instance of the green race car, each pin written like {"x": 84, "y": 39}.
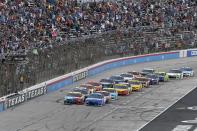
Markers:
{"x": 163, "y": 76}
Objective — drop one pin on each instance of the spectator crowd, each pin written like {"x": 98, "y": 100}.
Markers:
{"x": 27, "y": 24}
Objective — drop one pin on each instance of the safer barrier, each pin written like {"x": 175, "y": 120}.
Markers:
{"x": 132, "y": 60}
{"x": 62, "y": 81}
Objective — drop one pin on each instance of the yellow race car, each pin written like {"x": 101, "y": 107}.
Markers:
{"x": 136, "y": 85}
{"x": 145, "y": 81}
{"x": 122, "y": 89}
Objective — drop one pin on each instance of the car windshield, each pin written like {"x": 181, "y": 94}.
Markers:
{"x": 117, "y": 78}
{"x": 106, "y": 80}
{"x": 74, "y": 94}
{"x": 126, "y": 75}
{"x": 110, "y": 90}
{"x": 96, "y": 95}
{"x": 186, "y": 69}
{"x": 120, "y": 87}
{"x": 175, "y": 71}
{"x": 148, "y": 70}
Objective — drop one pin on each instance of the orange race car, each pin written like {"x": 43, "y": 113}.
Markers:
{"x": 97, "y": 85}
{"x": 91, "y": 88}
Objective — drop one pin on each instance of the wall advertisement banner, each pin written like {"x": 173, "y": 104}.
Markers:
{"x": 191, "y": 53}
{"x": 22, "y": 97}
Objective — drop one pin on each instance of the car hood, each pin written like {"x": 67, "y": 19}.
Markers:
{"x": 93, "y": 99}
{"x": 121, "y": 89}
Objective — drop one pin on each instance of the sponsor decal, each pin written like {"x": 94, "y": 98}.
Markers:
{"x": 192, "y": 53}
{"x": 20, "y": 98}
{"x": 35, "y": 93}
{"x": 15, "y": 100}
{"x": 80, "y": 76}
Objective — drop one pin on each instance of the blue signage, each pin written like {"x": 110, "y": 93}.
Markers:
{"x": 191, "y": 53}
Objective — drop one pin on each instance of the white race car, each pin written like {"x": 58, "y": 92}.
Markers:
{"x": 187, "y": 71}
{"x": 175, "y": 73}
{"x": 127, "y": 76}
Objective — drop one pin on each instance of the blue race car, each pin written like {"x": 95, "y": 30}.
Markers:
{"x": 74, "y": 98}
{"x": 97, "y": 99}
{"x": 154, "y": 79}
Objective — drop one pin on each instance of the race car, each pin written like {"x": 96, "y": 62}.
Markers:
{"x": 146, "y": 71}
{"x": 107, "y": 85}
{"x": 74, "y": 98}
{"x": 145, "y": 81}
{"x": 117, "y": 79}
{"x": 162, "y": 76}
{"x": 106, "y": 95}
{"x": 86, "y": 92}
{"x": 187, "y": 71}
{"x": 154, "y": 79}
{"x": 134, "y": 73}
{"x": 113, "y": 93}
{"x": 127, "y": 76}
{"x": 97, "y": 99}
{"x": 91, "y": 88}
{"x": 135, "y": 84}
{"x": 175, "y": 73}
{"x": 97, "y": 85}
{"x": 122, "y": 89}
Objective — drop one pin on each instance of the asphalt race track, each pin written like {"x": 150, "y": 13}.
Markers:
{"x": 130, "y": 113}
{"x": 181, "y": 116}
